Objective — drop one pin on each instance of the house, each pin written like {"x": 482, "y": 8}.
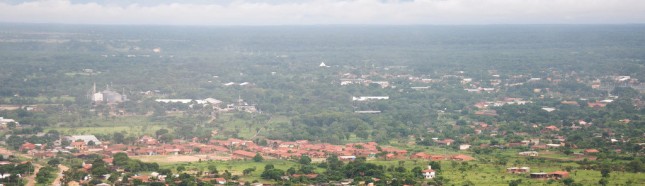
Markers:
{"x": 528, "y": 153}
{"x": 80, "y": 145}
{"x": 486, "y": 113}
{"x": 548, "y": 109}
{"x": 446, "y": 142}
{"x": 27, "y": 146}
{"x": 428, "y": 173}
{"x": 243, "y": 154}
{"x": 464, "y": 147}
{"x": 4, "y": 121}
{"x": 368, "y": 98}
{"x": 590, "y": 151}
{"x": 559, "y": 174}
{"x": 220, "y": 180}
{"x": 516, "y": 170}
{"x": 147, "y": 140}
{"x": 596, "y": 104}
{"x": 462, "y": 157}
{"x": 552, "y": 128}
{"x": 539, "y": 175}
{"x": 420, "y": 155}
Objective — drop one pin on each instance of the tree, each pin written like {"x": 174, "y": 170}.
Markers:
{"x": 248, "y": 171}
{"x": 603, "y": 181}
{"x": 304, "y": 159}
{"x": 269, "y": 167}
{"x": 99, "y": 168}
{"x": 568, "y": 181}
{"x": 435, "y": 165}
{"x": 258, "y": 157}
{"x": 181, "y": 168}
{"x": 53, "y": 162}
{"x": 11, "y": 125}
{"x": 212, "y": 169}
{"x": 515, "y": 182}
{"x": 161, "y": 132}
{"x": 118, "y": 138}
{"x": 274, "y": 174}
{"x": 120, "y": 159}
{"x": 605, "y": 172}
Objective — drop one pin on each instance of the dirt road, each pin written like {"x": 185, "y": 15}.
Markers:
{"x": 61, "y": 168}
{"x": 32, "y": 178}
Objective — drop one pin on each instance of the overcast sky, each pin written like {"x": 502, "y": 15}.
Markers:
{"x": 308, "y": 12}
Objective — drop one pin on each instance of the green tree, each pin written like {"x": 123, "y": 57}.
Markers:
{"x": 212, "y": 169}
{"x": 304, "y": 159}
{"x": 53, "y": 162}
{"x": 568, "y": 181}
{"x": 603, "y": 181}
{"x": 258, "y": 157}
{"x": 120, "y": 159}
{"x": 181, "y": 168}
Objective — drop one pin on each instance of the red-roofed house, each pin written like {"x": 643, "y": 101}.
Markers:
{"x": 27, "y": 146}
{"x": 428, "y": 173}
{"x": 420, "y": 155}
{"x": 243, "y": 154}
{"x": 552, "y": 128}
{"x": 590, "y": 151}
{"x": 462, "y": 157}
{"x": 220, "y": 180}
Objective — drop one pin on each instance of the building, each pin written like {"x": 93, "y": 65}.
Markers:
{"x": 368, "y": 98}
{"x": 428, "y": 173}
{"x": 528, "y": 153}
{"x": 520, "y": 170}
{"x": 4, "y": 121}
{"x": 106, "y": 96}
{"x": 85, "y": 138}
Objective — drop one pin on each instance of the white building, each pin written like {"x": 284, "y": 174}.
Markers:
{"x": 367, "y": 98}
{"x": 428, "y": 173}
{"x": 4, "y": 121}
{"x": 85, "y": 138}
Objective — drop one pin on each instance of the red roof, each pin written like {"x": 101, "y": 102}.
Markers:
{"x": 427, "y": 170}
{"x": 244, "y": 153}
{"x": 561, "y": 173}
{"x": 591, "y": 151}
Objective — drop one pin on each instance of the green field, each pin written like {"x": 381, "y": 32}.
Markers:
{"x": 137, "y": 125}
{"x": 236, "y": 167}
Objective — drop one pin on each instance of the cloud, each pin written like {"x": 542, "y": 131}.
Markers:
{"x": 304, "y": 12}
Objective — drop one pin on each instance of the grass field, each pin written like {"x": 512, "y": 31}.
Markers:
{"x": 457, "y": 173}
{"x": 236, "y": 167}
{"x": 135, "y": 125}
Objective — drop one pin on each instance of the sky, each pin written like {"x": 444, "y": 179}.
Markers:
{"x": 323, "y": 12}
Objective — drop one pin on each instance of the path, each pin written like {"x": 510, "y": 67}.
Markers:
{"x": 61, "y": 168}
{"x": 32, "y": 178}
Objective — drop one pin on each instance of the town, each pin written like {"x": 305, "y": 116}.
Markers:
{"x": 259, "y": 109}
